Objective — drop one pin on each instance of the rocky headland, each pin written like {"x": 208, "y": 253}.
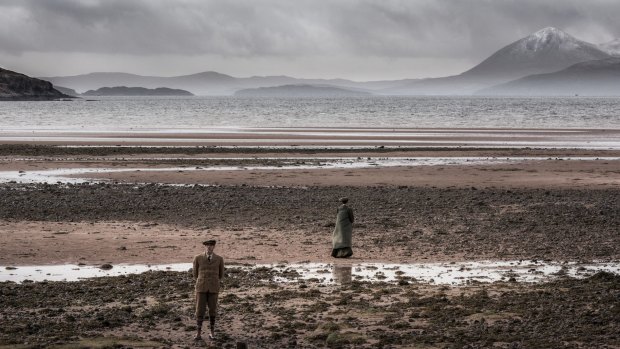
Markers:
{"x": 15, "y": 87}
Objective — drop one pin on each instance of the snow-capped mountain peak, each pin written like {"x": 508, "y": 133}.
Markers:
{"x": 612, "y": 47}
{"x": 550, "y": 38}
{"x": 547, "y": 50}
{"x": 551, "y": 33}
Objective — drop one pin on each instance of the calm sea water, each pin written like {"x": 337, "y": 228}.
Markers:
{"x": 204, "y": 112}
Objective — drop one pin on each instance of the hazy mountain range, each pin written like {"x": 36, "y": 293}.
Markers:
{"x": 512, "y": 70}
{"x": 591, "y": 78}
{"x": 300, "y": 91}
{"x": 205, "y": 84}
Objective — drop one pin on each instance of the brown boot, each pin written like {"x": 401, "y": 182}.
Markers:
{"x": 198, "y": 330}
{"x": 212, "y": 327}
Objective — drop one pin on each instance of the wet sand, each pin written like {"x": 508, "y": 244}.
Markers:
{"x": 320, "y": 137}
{"x": 454, "y": 168}
{"x": 47, "y": 224}
{"x": 565, "y": 210}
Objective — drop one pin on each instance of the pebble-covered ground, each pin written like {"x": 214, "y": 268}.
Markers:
{"x": 472, "y": 223}
{"x": 155, "y": 309}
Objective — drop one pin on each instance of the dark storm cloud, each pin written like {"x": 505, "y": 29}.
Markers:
{"x": 246, "y": 28}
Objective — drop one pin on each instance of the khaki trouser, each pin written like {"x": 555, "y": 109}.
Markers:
{"x": 204, "y": 299}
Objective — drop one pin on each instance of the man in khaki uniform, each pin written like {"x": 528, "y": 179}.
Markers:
{"x": 208, "y": 270}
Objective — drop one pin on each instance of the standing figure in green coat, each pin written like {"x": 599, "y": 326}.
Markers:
{"x": 341, "y": 241}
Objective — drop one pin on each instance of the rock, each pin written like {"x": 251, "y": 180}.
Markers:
{"x": 106, "y": 266}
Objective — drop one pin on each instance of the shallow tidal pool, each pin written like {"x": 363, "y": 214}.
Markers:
{"x": 452, "y": 273}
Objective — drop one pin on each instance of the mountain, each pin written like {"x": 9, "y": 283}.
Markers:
{"x": 612, "y": 47}
{"x": 206, "y": 83}
{"x": 300, "y": 91}
{"x": 15, "y": 86}
{"x": 136, "y": 91}
{"x": 544, "y": 51}
{"x": 591, "y": 78}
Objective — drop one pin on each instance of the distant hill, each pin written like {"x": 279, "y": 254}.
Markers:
{"x": 15, "y": 86}
{"x": 206, "y": 83}
{"x": 592, "y": 78}
{"x": 300, "y": 91}
{"x": 544, "y": 51}
{"x": 136, "y": 91}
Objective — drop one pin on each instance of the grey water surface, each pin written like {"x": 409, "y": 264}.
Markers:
{"x": 113, "y": 113}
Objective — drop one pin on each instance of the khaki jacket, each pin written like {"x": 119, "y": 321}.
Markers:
{"x": 208, "y": 273}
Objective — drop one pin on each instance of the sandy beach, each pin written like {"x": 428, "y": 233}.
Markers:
{"x": 369, "y": 174}
{"x": 154, "y": 205}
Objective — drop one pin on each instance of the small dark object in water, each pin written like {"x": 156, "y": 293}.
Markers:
{"x": 106, "y": 266}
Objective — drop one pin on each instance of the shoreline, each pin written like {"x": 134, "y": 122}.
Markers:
{"x": 317, "y": 137}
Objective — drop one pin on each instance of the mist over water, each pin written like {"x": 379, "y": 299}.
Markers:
{"x": 114, "y": 113}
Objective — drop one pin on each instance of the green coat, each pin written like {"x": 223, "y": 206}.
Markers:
{"x": 344, "y": 227}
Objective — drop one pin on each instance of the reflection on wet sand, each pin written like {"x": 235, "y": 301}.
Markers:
{"x": 342, "y": 274}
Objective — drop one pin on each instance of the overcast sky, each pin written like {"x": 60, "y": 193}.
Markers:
{"x": 354, "y": 39}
